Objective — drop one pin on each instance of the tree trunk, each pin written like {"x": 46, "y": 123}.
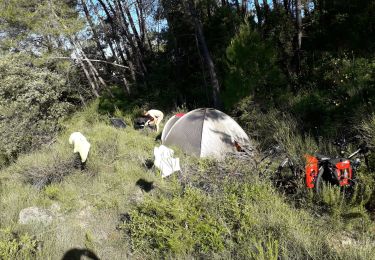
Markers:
{"x": 92, "y": 83}
{"x": 266, "y": 11}
{"x": 238, "y": 8}
{"x": 299, "y": 32}
{"x": 206, "y": 56}
{"x": 287, "y": 6}
{"x": 259, "y": 12}
{"x": 105, "y": 9}
{"x": 275, "y": 4}
{"x": 132, "y": 25}
{"x": 141, "y": 21}
{"x": 80, "y": 53}
{"x": 118, "y": 44}
{"x": 138, "y": 46}
{"x": 95, "y": 33}
{"x": 244, "y": 7}
{"x": 115, "y": 47}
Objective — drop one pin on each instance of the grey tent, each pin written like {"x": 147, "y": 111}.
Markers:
{"x": 171, "y": 121}
{"x": 205, "y": 132}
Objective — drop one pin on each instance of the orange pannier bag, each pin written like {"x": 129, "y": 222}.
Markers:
{"x": 312, "y": 170}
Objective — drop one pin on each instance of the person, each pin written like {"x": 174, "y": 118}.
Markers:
{"x": 154, "y": 118}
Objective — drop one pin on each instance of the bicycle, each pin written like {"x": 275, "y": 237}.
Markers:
{"x": 287, "y": 173}
{"x": 339, "y": 171}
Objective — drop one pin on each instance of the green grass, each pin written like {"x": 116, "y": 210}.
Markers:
{"x": 90, "y": 201}
{"x": 212, "y": 210}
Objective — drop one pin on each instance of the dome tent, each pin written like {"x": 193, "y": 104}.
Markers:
{"x": 205, "y": 132}
{"x": 171, "y": 121}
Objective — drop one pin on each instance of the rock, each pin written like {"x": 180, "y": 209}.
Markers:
{"x": 35, "y": 215}
{"x": 347, "y": 241}
{"x": 137, "y": 197}
{"x": 55, "y": 209}
{"x": 84, "y": 217}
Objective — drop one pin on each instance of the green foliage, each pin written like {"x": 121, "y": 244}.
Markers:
{"x": 119, "y": 103}
{"x": 252, "y": 68}
{"x": 186, "y": 225}
{"x": 51, "y": 22}
{"x": 15, "y": 246}
{"x": 367, "y": 178}
{"x": 332, "y": 197}
{"x": 339, "y": 26}
{"x": 367, "y": 127}
{"x": 274, "y": 128}
{"x": 341, "y": 91}
{"x": 33, "y": 102}
{"x": 266, "y": 250}
{"x": 240, "y": 218}
{"x": 52, "y": 191}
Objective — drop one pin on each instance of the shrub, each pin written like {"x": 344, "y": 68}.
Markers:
{"x": 274, "y": 128}
{"x": 51, "y": 191}
{"x": 367, "y": 128}
{"x": 43, "y": 169}
{"x": 178, "y": 226}
{"x": 15, "y": 246}
{"x": 239, "y": 214}
{"x": 337, "y": 92}
{"x": 32, "y": 100}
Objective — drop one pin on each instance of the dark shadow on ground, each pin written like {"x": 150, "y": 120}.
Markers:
{"x": 149, "y": 163}
{"x": 78, "y": 254}
{"x": 145, "y": 185}
{"x": 158, "y": 137}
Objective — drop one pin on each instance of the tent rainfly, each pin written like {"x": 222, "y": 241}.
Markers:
{"x": 171, "y": 121}
{"x": 205, "y": 132}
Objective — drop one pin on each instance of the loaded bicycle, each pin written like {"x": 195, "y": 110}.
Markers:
{"x": 340, "y": 171}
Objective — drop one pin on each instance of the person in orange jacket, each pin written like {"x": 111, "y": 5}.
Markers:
{"x": 155, "y": 117}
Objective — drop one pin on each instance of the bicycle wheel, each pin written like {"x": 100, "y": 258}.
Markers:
{"x": 319, "y": 183}
{"x": 286, "y": 177}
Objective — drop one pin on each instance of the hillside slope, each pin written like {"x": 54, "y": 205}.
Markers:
{"x": 212, "y": 209}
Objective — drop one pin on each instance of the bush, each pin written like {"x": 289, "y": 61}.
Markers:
{"x": 45, "y": 168}
{"x": 187, "y": 226}
{"x": 367, "y": 128}
{"x": 32, "y": 103}
{"x": 274, "y": 128}
{"x": 15, "y": 246}
{"x": 337, "y": 92}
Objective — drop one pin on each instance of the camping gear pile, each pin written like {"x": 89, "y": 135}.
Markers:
{"x": 139, "y": 122}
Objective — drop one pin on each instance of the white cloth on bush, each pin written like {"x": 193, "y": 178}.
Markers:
{"x": 81, "y": 145}
{"x": 165, "y": 162}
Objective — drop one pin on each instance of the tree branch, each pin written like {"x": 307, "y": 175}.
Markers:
{"x": 85, "y": 59}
